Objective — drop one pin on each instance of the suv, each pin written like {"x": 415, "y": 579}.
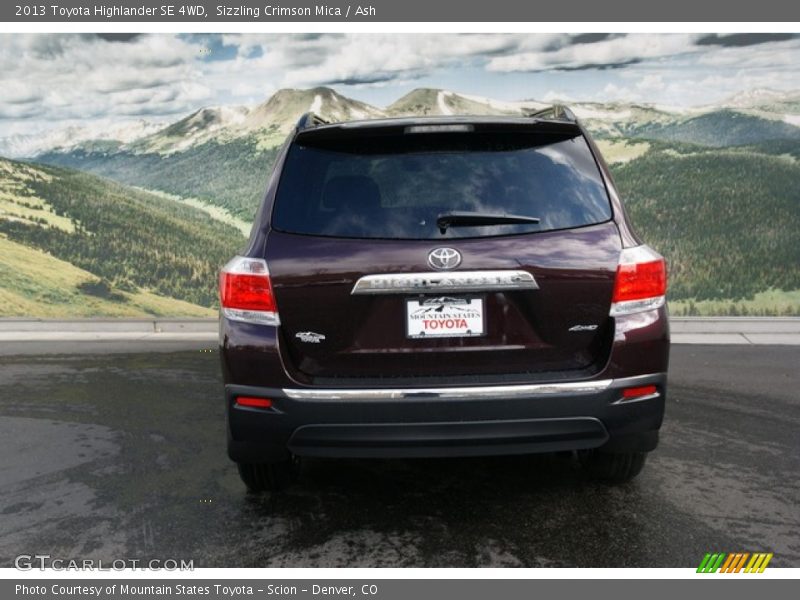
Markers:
{"x": 442, "y": 286}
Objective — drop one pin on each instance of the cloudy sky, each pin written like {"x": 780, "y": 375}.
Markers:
{"x": 53, "y": 80}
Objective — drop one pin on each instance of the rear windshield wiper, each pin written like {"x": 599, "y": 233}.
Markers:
{"x": 473, "y": 219}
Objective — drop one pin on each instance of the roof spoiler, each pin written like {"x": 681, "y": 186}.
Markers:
{"x": 557, "y": 112}
{"x": 309, "y": 120}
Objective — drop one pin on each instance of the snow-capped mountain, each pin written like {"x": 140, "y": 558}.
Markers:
{"x": 272, "y": 120}
{"x": 761, "y": 98}
{"x": 269, "y": 122}
{"x": 67, "y": 138}
{"x": 427, "y": 101}
{"x": 768, "y": 104}
{"x": 285, "y": 107}
{"x": 201, "y": 126}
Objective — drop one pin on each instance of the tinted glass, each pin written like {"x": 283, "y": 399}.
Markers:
{"x": 396, "y": 186}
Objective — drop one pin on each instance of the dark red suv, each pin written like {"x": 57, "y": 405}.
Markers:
{"x": 442, "y": 286}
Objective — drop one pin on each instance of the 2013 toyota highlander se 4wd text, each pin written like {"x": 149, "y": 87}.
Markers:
{"x": 442, "y": 286}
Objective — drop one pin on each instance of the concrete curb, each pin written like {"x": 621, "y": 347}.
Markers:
{"x": 103, "y": 325}
{"x": 736, "y": 330}
{"x": 685, "y": 330}
{"x": 737, "y": 325}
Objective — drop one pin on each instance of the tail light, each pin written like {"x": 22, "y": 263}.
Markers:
{"x": 641, "y": 282}
{"x": 245, "y": 292}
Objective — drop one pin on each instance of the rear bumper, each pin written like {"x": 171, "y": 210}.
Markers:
{"x": 446, "y": 421}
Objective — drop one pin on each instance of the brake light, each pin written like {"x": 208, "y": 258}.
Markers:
{"x": 245, "y": 292}
{"x": 641, "y": 281}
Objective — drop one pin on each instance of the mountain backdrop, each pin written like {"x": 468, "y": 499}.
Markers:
{"x": 137, "y": 219}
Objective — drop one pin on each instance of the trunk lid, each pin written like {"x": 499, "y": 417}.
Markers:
{"x": 561, "y": 329}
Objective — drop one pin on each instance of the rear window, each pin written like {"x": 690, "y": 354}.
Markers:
{"x": 396, "y": 186}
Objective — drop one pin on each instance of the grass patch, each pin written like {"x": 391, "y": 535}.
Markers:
{"x": 771, "y": 303}
{"x": 620, "y": 151}
{"x": 215, "y": 212}
{"x": 18, "y": 201}
{"x": 36, "y": 284}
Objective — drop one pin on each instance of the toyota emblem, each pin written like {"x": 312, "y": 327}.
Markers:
{"x": 444, "y": 258}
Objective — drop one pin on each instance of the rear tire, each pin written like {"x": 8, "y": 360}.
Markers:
{"x": 267, "y": 477}
{"x": 612, "y": 467}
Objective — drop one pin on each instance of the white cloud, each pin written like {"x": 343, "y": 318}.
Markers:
{"x": 556, "y": 96}
{"x": 651, "y": 83}
{"x": 774, "y": 56}
{"x": 69, "y": 76}
{"x": 48, "y": 79}
{"x": 614, "y": 92}
{"x": 371, "y": 58}
{"x": 615, "y": 51}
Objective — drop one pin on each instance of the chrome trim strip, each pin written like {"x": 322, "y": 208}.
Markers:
{"x": 453, "y": 281}
{"x": 259, "y": 317}
{"x": 631, "y": 307}
{"x": 635, "y": 399}
{"x": 496, "y": 392}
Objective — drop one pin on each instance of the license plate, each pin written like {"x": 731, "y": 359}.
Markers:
{"x": 444, "y": 316}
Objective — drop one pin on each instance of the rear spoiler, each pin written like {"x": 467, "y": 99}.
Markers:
{"x": 310, "y": 119}
{"x": 557, "y": 120}
{"x": 558, "y": 113}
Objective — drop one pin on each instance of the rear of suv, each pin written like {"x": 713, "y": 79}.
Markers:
{"x": 442, "y": 286}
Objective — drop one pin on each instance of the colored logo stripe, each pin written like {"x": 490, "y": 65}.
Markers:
{"x": 735, "y": 562}
{"x": 710, "y": 563}
{"x": 758, "y": 563}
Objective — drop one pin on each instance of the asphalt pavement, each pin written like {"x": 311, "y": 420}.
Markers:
{"x": 116, "y": 455}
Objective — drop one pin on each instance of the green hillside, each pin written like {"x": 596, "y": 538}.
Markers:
{"x": 728, "y": 221}
{"x": 129, "y": 240}
{"x": 232, "y": 175}
{"x": 719, "y": 129}
{"x": 36, "y": 284}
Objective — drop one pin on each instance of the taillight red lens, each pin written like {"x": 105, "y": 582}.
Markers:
{"x": 246, "y": 292}
{"x": 640, "y": 280}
